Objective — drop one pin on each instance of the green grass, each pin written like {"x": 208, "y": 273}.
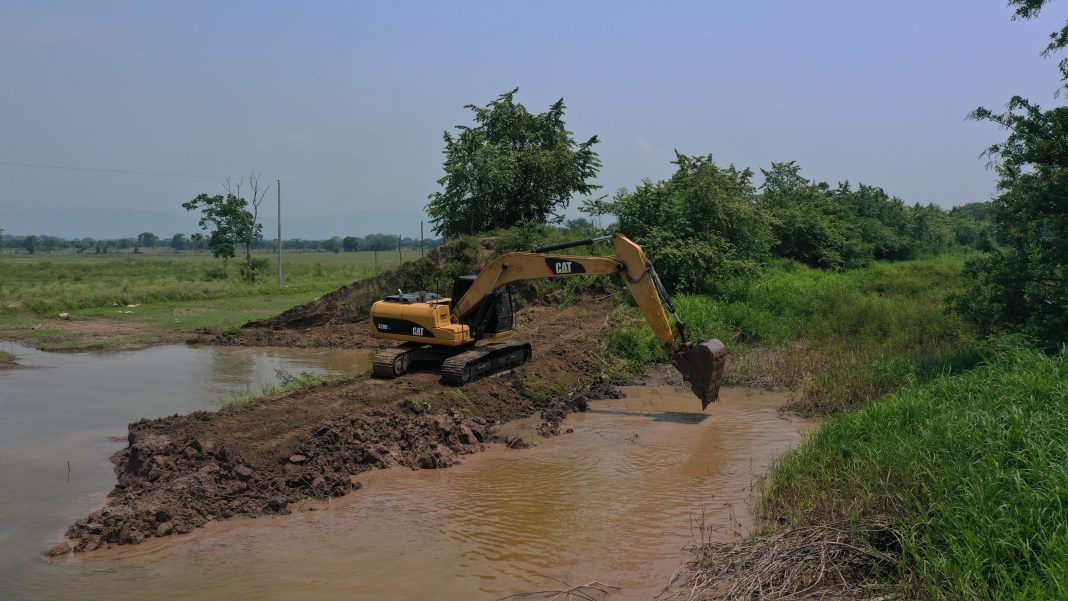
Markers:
{"x": 220, "y": 313}
{"x": 972, "y": 469}
{"x": 418, "y": 406}
{"x": 287, "y": 382}
{"x": 175, "y": 295}
{"x": 7, "y": 358}
{"x": 839, "y": 338}
{"x": 46, "y": 284}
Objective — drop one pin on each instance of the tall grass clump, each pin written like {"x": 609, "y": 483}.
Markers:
{"x": 287, "y": 383}
{"x": 838, "y": 338}
{"x": 970, "y": 470}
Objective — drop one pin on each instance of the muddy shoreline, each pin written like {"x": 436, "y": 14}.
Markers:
{"x": 178, "y": 473}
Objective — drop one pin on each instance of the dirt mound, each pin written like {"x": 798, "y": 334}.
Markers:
{"x": 351, "y": 303}
{"x": 183, "y": 471}
{"x": 340, "y": 317}
{"x": 171, "y": 484}
{"x": 553, "y": 415}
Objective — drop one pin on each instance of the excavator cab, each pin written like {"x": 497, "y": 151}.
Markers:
{"x": 493, "y": 319}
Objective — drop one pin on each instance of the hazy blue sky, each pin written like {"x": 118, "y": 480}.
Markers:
{"x": 355, "y": 96}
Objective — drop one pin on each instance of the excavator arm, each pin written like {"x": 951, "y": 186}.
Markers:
{"x": 701, "y": 365}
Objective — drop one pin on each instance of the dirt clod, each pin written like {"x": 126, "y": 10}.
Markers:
{"x": 553, "y": 415}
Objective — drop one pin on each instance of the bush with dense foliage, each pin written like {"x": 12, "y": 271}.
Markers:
{"x": 702, "y": 221}
{"x": 1023, "y": 287}
{"x": 511, "y": 167}
{"x": 708, "y": 223}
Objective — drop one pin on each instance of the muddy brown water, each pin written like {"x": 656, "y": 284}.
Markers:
{"x": 616, "y": 501}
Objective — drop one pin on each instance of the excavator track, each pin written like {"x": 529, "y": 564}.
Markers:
{"x": 483, "y": 361}
{"x": 392, "y": 362}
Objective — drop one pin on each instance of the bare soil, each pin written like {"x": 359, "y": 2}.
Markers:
{"x": 180, "y": 472}
{"x": 87, "y": 332}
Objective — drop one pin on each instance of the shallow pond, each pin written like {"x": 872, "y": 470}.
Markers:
{"x": 616, "y": 501}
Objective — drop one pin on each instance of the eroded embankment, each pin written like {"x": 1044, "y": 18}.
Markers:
{"x": 180, "y": 472}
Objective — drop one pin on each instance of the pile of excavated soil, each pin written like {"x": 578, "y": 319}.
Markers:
{"x": 350, "y": 304}
{"x": 172, "y": 481}
{"x": 180, "y": 472}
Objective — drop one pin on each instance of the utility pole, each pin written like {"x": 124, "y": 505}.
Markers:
{"x": 421, "y": 253}
{"x": 278, "y": 189}
{"x": 400, "y": 258}
{"x": 376, "y": 261}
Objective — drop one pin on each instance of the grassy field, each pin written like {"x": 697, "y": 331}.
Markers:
{"x": 172, "y": 295}
{"x": 836, "y": 338}
{"x": 971, "y": 470}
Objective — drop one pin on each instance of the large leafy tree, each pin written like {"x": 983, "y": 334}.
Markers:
{"x": 228, "y": 220}
{"x": 1024, "y": 286}
{"x": 700, "y": 224}
{"x": 511, "y": 167}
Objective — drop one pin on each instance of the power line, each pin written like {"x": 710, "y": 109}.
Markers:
{"x": 122, "y": 171}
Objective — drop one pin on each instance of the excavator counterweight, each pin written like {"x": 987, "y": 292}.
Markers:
{"x": 446, "y": 330}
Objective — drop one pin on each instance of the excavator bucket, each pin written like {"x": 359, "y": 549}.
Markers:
{"x": 702, "y": 366}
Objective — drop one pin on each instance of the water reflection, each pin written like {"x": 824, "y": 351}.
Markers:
{"x": 615, "y": 501}
{"x": 63, "y": 415}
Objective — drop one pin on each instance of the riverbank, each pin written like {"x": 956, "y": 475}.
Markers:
{"x": 586, "y": 505}
{"x": 180, "y": 472}
{"x": 949, "y": 489}
{"x": 838, "y": 339}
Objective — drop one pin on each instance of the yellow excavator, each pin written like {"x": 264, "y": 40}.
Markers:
{"x": 446, "y": 330}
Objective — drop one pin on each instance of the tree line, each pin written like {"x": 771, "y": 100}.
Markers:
{"x": 34, "y": 244}
{"x": 708, "y": 222}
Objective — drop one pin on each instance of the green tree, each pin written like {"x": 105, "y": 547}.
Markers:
{"x": 1023, "y": 287}
{"x": 48, "y": 243}
{"x": 30, "y": 244}
{"x": 350, "y": 243}
{"x": 147, "y": 239}
{"x": 930, "y": 230}
{"x": 971, "y": 225}
{"x": 380, "y": 242}
{"x": 511, "y": 167}
{"x": 700, "y": 224}
{"x": 332, "y": 245}
{"x": 179, "y": 242}
{"x": 808, "y": 223}
{"x": 1029, "y": 9}
{"x": 228, "y": 220}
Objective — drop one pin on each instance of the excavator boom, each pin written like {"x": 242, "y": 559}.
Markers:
{"x": 701, "y": 365}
